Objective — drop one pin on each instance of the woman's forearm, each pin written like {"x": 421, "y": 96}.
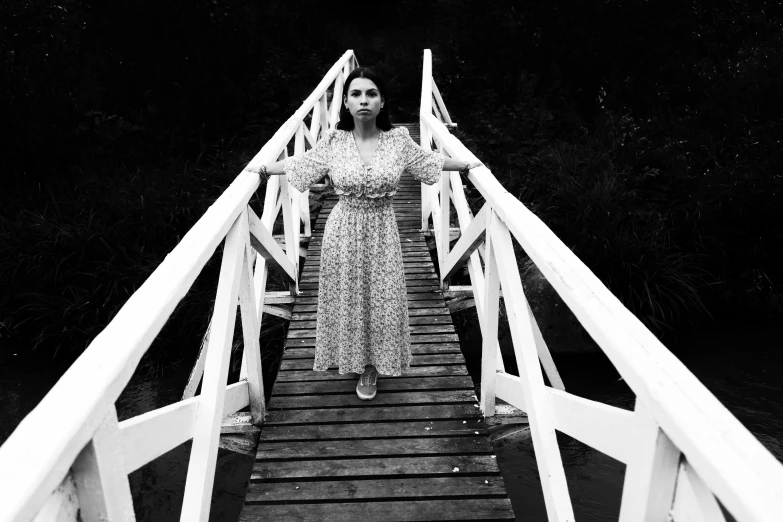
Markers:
{"x": 455, "y": 164}
{"x": 273, "y": 169}
{"x": 276, "y": 168}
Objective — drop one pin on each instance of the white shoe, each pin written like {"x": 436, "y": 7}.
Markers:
{"x": 367, "y": 387}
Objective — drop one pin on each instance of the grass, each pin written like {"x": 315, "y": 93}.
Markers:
{"x": 72, "y": 254}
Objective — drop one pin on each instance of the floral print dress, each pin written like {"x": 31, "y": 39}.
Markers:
{"x": 362, "y": 301}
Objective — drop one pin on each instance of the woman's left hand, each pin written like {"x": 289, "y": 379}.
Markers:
{"x": 470, "y": 166}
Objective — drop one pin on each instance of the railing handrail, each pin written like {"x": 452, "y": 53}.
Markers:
{"x": 740, "y": 471}
{"x": 32, "y": 461}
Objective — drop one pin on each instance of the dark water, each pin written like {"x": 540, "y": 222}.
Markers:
{"x": 740, "y": 368}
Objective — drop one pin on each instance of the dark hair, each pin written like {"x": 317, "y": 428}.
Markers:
{"x": 382, "y": 121}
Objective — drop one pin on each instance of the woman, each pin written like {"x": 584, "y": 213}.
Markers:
{"x": 362, "y": 324}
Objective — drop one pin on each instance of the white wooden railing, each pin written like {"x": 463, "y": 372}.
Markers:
{"x": 70, "y": 454}
{"x": 681, "y": 447}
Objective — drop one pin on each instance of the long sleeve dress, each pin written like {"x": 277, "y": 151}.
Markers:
{"x": 362, "y": 301}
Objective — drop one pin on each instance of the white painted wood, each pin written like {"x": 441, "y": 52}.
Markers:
{"x": 464, "y": 219}
{"x": 251, "y": 331}
{"x": 203, "y": 454}
{"x": 116, "y": 351}
{"x": 268, "y": 217}
{"x": 316, "y": 120}
{"x": 145, "y": 437}
{"x": 267, "y": 247}
{"x": 426, "y": 211}
{"x": 62, "y": 505}
{"x": 445, "y": 225}
{"x": 509, "y": 388}
{"x": 467, "y": 244}
{"x": 598, "y": 305}
{"x": 608, "y": 429}
{"x": 100, "y": 476}
{"x": 436, "y": 109}
{"x": 424, "y": 136}
{"x": 306, "y": 136}
{"x": 436, "y": 221}
{"x": 489, "y": 353}
{"x": 296, "y": 200}
{"x": 650, "y": 473}
{"x": 277, "y": 297}
{"x": 304, "y": 204}
{"x": 542, "y": 428}
{"x": 693, "y": 501}
{"x": 324, "y": 116}
{"x": 337, "y": 100}
{"x": 194, "y": 379}
{"x": 734, "y": 465}
{"x": 441, "y": 105}
{"x": 278, "y": 311}
{"x": 544, "y": 355}
{"x": 288, "y": 225}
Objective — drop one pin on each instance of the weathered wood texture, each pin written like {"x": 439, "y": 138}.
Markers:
{"x": 419, "y": 451}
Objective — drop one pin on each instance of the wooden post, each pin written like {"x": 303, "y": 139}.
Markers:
{"x": 324, "y": 116}
{"x": 425, "y": 138}
{"x": 315, "y": 121}
{"x": 203, "y": 454}
{"x": 296, "y": 196}
{"x": 542, "y": 428}
{"x": 100, "y": 477}
{"x": 445, "y": 225}
{"x": 489, "y": 334}
{"x": 693, "y": 500}
{"x": 337, "y": 100}
{"x": 439, "y": 99}
{"x": 648, "y": 487}
{"x": 198, "y": 369}
{"x": 288, "y": 227}
{"x": 251, "y": 323}
{"x": 464, "y": 219}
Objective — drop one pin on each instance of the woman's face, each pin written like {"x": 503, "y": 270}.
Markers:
{"x": 363, "y": 99}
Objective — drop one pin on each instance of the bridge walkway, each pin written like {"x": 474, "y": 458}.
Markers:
{"x": 419, "y": 451}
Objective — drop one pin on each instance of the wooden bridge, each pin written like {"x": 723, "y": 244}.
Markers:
{"x": 419, "y": 451}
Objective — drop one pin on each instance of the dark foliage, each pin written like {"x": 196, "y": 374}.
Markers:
{"x": 645, "y": 134}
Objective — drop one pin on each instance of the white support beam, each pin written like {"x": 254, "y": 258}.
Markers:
{"x": 251, "y": 370}
{"x": 441, "y": 105}
{"x": 542, "y": 427}
{"x": 145, "y": 437}
{"x": 650, "y": 472}
{"x": 445, "y": 224}
{"x": 489, "y": 353}
{"x": 337, "y": 100}
{"x": 203, "y": 454}
{"x": 267, "y": 247}
{"x": 509, "y": 388}
{"x": 100, "y": 476}
{"x": 468, "y": 242}
{"x": 465, "y": 217}
{"x": 608, "y": 429}
{"x": 693, "y": 500}
{"x": 62, "y": 505}
{"x": 315, "y": 121}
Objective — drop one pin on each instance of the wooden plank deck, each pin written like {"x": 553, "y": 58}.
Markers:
{"x": 419, "y": 451}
